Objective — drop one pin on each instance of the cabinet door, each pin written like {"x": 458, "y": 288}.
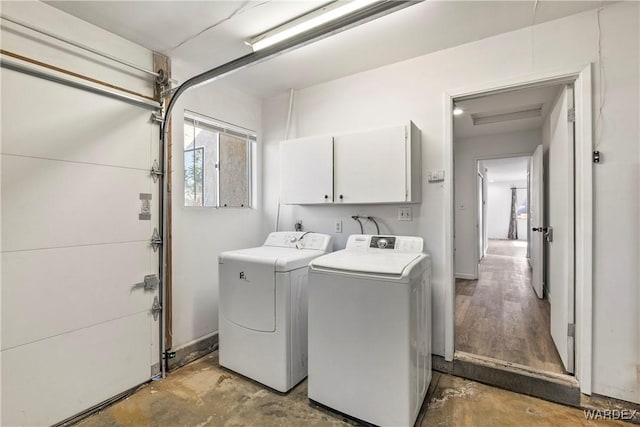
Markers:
{"x": 306, "y": 166}
{"x": 371, "y": 167}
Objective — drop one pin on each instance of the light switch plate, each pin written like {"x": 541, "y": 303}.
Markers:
{"x": 435, "y": 176}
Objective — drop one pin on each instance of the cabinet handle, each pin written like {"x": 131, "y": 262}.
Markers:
{"x": 341, "y": 197}
{"x": 326, "y": 196}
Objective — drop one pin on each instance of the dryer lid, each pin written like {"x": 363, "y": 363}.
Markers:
{"x": 283, "y": 259}
{"x": 366, "y": 262}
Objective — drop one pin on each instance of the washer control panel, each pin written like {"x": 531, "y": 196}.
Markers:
{"x": 383, "y": 242}
{"x": 409, "y": 244}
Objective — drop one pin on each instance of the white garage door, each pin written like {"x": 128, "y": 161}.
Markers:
{"x": 74, "y": 329}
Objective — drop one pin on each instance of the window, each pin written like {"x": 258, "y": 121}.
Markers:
{"x": 218, "y": 163}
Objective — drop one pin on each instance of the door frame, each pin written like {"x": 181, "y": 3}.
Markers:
{"x": 481, "y": 213}
{"x": 583, "y": 181}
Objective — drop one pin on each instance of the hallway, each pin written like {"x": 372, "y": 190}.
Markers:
{"x": 499, "y": 315}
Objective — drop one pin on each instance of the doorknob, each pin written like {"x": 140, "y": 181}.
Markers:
{"x": 548, "y": 234}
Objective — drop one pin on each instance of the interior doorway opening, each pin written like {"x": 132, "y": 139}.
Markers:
{"x": 504, "y": 306}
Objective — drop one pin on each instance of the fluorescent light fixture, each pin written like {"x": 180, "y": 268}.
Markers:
{"x": 528, "y": 112}
{"x": 316, "y": 18}
{"x": 457, "y": 111}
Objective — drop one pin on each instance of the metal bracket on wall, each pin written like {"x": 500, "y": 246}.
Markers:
{"x": 150, "y": 283}
{"x": 157, "y": 117}
{"x": 156, "y": 240}
{"x": 156, "y": 308}
{"x": 168, "y": 92}
{"x": 155, "y": 171}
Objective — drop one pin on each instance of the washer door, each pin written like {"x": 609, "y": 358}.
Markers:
{"x": 248, "y": 293}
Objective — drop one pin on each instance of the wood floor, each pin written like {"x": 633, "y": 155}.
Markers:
{"x": 500, "y": 316}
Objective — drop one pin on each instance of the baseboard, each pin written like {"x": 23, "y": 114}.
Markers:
{"x": 556, "y": 388}
{"x": 465, "y": 276}
{"x": 192, "y": 351}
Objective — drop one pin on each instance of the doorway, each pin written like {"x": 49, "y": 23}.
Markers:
{"x": 500, "y": 311}
{"x": 498, "y": 314}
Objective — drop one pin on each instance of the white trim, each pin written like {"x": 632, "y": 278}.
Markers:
{"x": 584, "y": 229}
{"x": 583, "y": 215}
{"x": 465, "y": 276}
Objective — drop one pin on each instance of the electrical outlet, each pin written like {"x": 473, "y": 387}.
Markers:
{"x": 404, "y": 214}
{"x": 337, "y": 227}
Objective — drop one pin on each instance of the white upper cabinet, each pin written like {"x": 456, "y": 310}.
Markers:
{"x": 375, "y": 166}
{"x": 369, "y": 167}
{"x": 306, "y": 170}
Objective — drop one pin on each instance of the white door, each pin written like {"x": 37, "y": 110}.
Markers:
{"x": 561, "y": 213}
{"x": 371, "y": 167}
{"x": 75, "y": 331}
{"x": 536, "y": 219}
{"x": 306, "y": 175}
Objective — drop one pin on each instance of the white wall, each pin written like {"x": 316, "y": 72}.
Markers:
{"x": 466, "y": 152}
{"x": 414, "y": 89}
{"x": 499, "y": 209}
{"x": 200, "y": 234}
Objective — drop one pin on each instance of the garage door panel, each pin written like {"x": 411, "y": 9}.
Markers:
{"x": 49, "y": 204}
{"x": 52, "y": 379}
{"x": 54, "y": 291}
{"x": 102, "y": 130}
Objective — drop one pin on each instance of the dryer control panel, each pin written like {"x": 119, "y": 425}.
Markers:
{"x": 407, "y": 244}
{"x": 300, "y": 240}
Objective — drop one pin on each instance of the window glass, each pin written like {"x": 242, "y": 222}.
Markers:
{"x": 234, "y": 176}
{"x": 218, "y": 163}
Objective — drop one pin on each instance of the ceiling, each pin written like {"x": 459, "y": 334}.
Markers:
{"x": 502, "y": 104}
{"x": 511, "y": 170}
{"x": 201, "y": 35}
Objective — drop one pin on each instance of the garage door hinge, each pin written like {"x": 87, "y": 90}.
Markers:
{"x": 156, "y": 308}
{"x": 150, "y": 283}
{"x": 155, "y": 171}
{"x": 156, "y": 240}
{"x": 157, "y": 117}
{"x": 571, "y": 330}
{"x": 168, "y": 92}
{"x": 571, "y": 115}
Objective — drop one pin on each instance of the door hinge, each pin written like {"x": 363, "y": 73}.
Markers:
{"x": 150, "y": 283}
{"x": 157, "y": 117}
{"x": 156, "y": 240}
{"x": 571, "y": 115}
{"x": 155, "y": 171}
{"x": 168, "y": 92}
{"x": 156, "y": 308}
{"x": 571, "y": 330}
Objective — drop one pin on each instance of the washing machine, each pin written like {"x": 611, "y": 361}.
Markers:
{"x": 369, "y": 329}
{"x": 263, "y": 308}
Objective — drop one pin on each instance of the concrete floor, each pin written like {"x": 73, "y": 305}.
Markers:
{"x": 204, "y": 394}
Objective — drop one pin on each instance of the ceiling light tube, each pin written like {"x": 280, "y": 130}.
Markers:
{"x": 316, "y": 18}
